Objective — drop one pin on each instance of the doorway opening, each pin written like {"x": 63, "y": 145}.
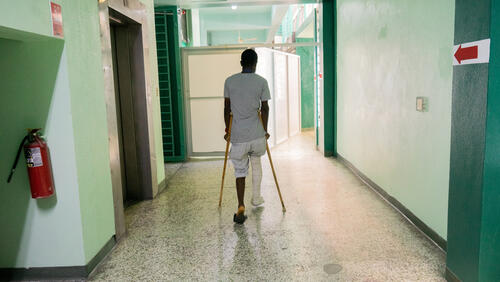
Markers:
{"x": 287, "y": 38}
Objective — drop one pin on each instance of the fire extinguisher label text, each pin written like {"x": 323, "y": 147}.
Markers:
{"x": 33, "y": 157}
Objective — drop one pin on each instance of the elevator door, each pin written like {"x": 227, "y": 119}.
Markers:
{"x": 118, "y": 112}
{"x": 128, "y": 76}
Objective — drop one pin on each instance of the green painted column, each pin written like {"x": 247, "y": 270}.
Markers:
{"x": 489, "y": 255}
{"x": 474, "y": 196}
{"x": 329, "y": 76}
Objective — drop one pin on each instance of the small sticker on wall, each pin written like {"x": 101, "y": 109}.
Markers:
{"x": 57, "y": 23}
{"x": 477, "y": 52}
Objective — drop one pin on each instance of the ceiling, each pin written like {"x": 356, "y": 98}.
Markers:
{"x": 228, "y": 3}
{"x": 238, "y": 24}
{"x": 236, "y": 21}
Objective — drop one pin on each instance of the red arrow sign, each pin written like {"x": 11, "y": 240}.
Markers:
{"x": 466, "y": 53}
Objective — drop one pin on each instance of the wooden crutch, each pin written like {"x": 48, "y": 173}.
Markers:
{"x": 272, "y": 168}
{"x": 225, "y": 158}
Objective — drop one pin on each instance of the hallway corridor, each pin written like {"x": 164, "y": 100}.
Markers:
{"x": 331, "y": 218}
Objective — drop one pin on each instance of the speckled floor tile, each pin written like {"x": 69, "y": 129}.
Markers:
{"x": 331, "y": 218}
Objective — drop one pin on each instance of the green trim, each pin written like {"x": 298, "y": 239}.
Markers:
{"x": 175, "y": 92}
{"x": 180, "y": 99}
{"x": 316, "y": 80}
{"x": 335, "y": 152}
{"x": 329, "y": 74}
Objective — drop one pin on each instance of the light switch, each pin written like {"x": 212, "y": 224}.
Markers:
{"x": 422, "y": 104}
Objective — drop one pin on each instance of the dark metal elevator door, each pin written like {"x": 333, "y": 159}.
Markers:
{"x": 118, "y": 112}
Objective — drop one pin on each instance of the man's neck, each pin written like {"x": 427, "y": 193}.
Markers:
{"x": 248, "y": 70}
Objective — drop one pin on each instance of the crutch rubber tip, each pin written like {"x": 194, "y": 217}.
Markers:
{"x": 240, "y": 219}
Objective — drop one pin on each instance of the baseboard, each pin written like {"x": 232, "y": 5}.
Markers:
{"x": 105, "y": 250}
{"x": 424, "y": 228}
{"x": 57, "y": 273}
{"x": 451, "y": 277}
{"x": 162, "y": 185}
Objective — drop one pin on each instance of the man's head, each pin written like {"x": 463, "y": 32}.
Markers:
{"x": 249, "y": 60}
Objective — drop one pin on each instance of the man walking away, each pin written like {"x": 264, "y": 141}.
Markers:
{"x": 245, "y": 94}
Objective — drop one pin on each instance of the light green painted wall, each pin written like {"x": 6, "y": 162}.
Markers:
{"x": 66, "y": 89}
{"x": 390, "y": 52}
{"x": 88, "y": 108}
{"x": 250, "y": 21}
{"x": 306, "y": 83}
{"x": 222, "y": 37}
{"x": 35, "y": 93}
{"x": 35, "y": 16}
{"x": 83, "y": 39}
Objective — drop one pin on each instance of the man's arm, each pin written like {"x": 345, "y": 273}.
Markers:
{"x": 264, "y": 109}
{"x": 227, "y": 115}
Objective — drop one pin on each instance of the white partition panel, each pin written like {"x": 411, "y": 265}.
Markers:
{"x": 294, "y": 94}
{"x": 207, "y": 125}
{"x": 208, "y": 72}
{"x": 281, "y": 97}
{"x": 265, "y": 69}
{"x": 204, "y": 74}
{"x": 204, "y": 91}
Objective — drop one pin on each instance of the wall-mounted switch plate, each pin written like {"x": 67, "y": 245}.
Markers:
{"x": 422, "y": 104}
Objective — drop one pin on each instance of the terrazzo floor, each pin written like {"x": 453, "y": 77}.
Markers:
{"x": 335, "y": 229}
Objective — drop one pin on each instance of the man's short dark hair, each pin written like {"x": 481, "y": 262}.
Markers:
{"x": 248, "y": 58}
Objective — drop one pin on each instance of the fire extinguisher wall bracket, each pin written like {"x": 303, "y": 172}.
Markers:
{"x": 38, "y": 164}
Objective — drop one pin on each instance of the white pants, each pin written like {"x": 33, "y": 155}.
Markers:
{"x": 243, "y": 153}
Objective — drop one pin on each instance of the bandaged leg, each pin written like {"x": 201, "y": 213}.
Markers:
{"x": 257, "y": 198}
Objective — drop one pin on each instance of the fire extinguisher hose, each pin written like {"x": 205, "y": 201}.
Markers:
{"x": 19, "y": 150}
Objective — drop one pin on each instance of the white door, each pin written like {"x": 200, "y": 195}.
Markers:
{"x": 206, "y": 74}
{"x": 293, "y": 94}
{"x": 281, "y": 97}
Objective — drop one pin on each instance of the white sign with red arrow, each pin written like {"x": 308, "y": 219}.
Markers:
{"x": 477, "y": 52}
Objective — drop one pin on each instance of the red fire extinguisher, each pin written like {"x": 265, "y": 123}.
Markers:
{"x": 36, "y": 153}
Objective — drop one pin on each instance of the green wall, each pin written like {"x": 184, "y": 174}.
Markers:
{"x": 473, "y": 242}
{"x": 223, "y": 37}
{"x": 39, "y": 23}
{"x": 88, "y": 109}
{"x": 307, "y": 83}
{"x": 470, "y": 83}
{"x": 490, "y": 227}
{"x": 249, "y": 21}
{"x": 58, "y": 85}
{"x": 388, "y": 53}
{"x": 35, "y": 93}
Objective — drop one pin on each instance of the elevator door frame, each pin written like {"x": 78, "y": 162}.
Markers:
{"x": 134, "y": 12}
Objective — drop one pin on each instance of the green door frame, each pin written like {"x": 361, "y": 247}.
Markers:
{"x": 330, "y": 77}
{"x": 176, "y": 83}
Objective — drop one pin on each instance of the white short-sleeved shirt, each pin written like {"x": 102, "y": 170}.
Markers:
{"x": 246, "y": 92}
